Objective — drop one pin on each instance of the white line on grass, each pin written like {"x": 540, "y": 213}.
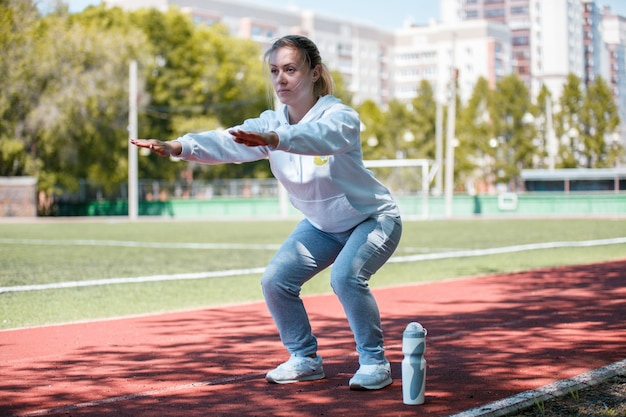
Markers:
{"x": 131, "y": 244}
{"x": 133, "y": 280}
{"x": 236, "y": 272}
{"x": 507, "y": 249}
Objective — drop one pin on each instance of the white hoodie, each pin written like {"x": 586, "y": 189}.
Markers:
{"x": 318, "y": 161}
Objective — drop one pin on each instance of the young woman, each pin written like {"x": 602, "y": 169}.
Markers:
{"x": 351, "y": 220}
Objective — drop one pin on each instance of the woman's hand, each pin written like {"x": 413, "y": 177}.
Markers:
{"x": 171, "y": 148}
{"x": 254, "y": 138}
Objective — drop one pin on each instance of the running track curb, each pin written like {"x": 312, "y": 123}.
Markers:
{"x": 556, "y": 389}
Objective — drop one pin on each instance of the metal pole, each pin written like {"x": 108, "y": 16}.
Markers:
{"x": 551, "y": 142}
{"x": 450, "y": 138}
{"x": 439, "y": 149}
{"x": 132, "y": 150}
{"x": 425, "y": 186}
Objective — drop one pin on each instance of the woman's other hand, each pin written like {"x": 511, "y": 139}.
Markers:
{"x": 161, "y": 148}
{"x": 254, "y": 138}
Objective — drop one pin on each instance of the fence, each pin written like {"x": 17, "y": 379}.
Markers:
{"x": 411, "y": 206}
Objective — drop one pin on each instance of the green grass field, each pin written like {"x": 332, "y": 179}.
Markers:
{"x": 53, "y": 252}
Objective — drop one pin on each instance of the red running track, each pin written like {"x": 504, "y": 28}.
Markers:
{"x": 488, "y": 338}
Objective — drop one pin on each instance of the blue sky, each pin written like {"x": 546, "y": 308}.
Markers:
{"x": 387, "y": 14}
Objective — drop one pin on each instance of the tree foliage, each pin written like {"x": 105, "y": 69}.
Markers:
{"x": 423, "y": 123}
{"x": 567, "y": 122}
{"x": 477, "y": 135}
{"x": 64, "y": 103}
{"x": 512, "y": 130}
{"x": 598, "y": 120}
{"x": 199, "y": 78}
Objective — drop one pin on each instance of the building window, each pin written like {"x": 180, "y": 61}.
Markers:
{"x": 520, "y": 40}
{"x": 344, "y": 49}
{"x": 494, "y": 13}
{"x": 519, "y": 10}
{"x": 203, "y": 19}
{"x": 262, "y": 32}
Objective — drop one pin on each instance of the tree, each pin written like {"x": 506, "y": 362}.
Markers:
{"x": 341, "y": 89}
{"x": 70, "y": 98}
{"x": 423, "y": 123}
{"x": 477, "y": 143}
{"x": 599, "y": 120}
{"x": 540, "y": 113}
{"x": 19, "y": 31}
{"x": 567, "y": 124}
{"x": 373, "y": 129}
{"x": 200, "y": 78}
{"x": 395, "y": 137}
{"x": 513, "y": 132}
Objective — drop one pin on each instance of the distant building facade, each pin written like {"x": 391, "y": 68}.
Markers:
{"x": 542, "y": 41}
{"x": 376, "y": 64}
{"x": 553, "y": 38}
{"x": 614, "y": 35}
{"x": 474, "y": 48}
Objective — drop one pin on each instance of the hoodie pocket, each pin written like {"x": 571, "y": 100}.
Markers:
{"x": 333, "y": 215}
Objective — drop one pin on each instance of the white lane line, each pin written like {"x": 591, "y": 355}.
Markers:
{"x": 235, "y": 272}
{"x": 131, "y": 280}
{"x": 132, "y": 244}
{"x": 508, "y": 249}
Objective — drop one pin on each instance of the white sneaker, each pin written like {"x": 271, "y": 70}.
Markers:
{"x": 370, "y": 377}
{"x": 297, "y": 369}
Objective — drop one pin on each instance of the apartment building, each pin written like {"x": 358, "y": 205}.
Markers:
{"x": 513, "y": 13}
{"x": 553, "y": 38}
{"x": 359, "y": 52}
{"x": 473, "y": 48}
{"x": 593, "y": 43}
{"x": 556, "y": 43}
{"x": 546, "y": 36}
{"x": 540, "y": 40}
{"x": 376, "y": 64}
{"x": 614, "y": 35}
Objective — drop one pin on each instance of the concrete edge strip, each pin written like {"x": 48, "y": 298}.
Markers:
{"x": 556, "y": 389}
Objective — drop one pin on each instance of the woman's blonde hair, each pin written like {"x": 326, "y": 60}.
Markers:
{"x": 310, "y": 56}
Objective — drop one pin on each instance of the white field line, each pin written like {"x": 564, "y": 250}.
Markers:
{"x": 260, "y": 270}
{"x": 131, "y": 244}
{"x": 132, "y": 280}
{"x": 507, "y": 249}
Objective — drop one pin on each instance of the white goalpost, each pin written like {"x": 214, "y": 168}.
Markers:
{"x": 406, "y": 177}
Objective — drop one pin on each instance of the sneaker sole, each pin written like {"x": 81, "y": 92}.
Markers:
{"x": 313, "y": 377}
{"x": 360, "y": 387}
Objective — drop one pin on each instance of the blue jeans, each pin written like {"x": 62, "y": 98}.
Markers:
{"x": 355, "y": 255}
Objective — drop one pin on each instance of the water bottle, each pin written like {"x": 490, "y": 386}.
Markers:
{"x": 413, "y": 364}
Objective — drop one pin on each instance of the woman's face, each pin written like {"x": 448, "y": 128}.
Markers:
{"x": 293, "y": 80}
